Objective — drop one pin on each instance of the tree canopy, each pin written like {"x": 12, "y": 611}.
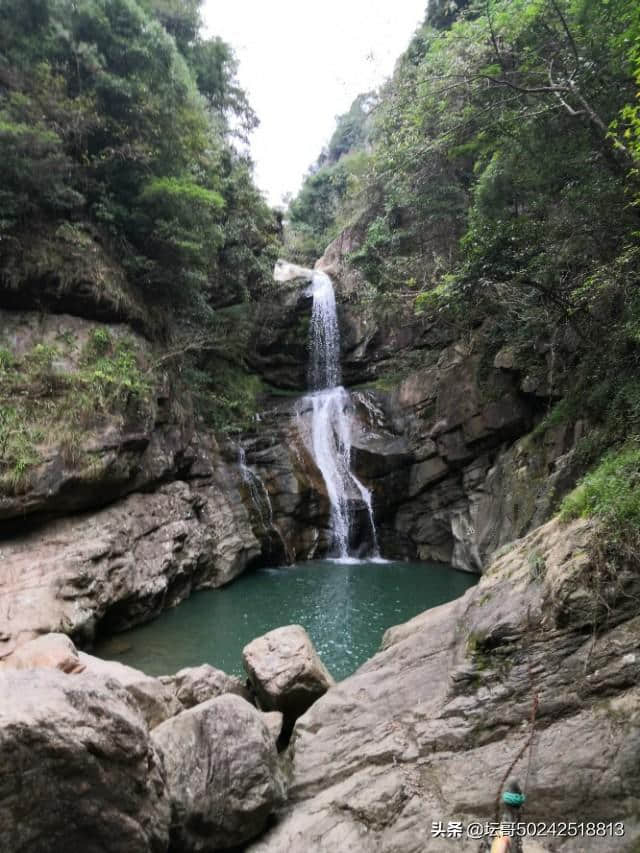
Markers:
{"x": 500, "y": 179}
{"x": 119, "y": 117}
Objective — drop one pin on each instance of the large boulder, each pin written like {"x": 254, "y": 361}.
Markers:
{"x": 196, "y": 684}
{"x": 79, "y": 772}
{"x": 155, "y": 700}
{"x": 50, "y": 651}
{"x": 223, "y": 774}
{"x": 429, "y": 728}
{"x": 286, "y": 672}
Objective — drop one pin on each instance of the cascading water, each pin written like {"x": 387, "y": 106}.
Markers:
{"x": 257, "y": 490}
{"x": 271, "y": 535}
{"x": 324, "y": 344}
{"x": 330, "y": 439}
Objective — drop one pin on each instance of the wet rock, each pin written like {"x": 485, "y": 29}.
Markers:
{"x": 284, "y": 271}
{"x": 286, "y": 671}
{"x": 278, "y": 454}
{"x": 374, "y": 456}
{"x": 79, "y": 771}
{"x": 425, "y": 473}
{"x": 194, "y": 685}
{"x": 222, "y": 771}
{"x": 278, "y": 350}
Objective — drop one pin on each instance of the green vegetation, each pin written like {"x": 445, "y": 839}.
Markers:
{"x": 121, "y": 180}
{"x": 499, "y": 178}
{"x": 117, "y": 117}
{"x": 226, "y": 400}
{"x": 489, "y": 660}
{"x": 43, "y": 403}
{"x": 323, "y": 205}
{"x": 611, "y": 493}
{"x": 537, "y": 565}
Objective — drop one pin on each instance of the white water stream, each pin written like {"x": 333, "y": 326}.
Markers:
{"x": 257, "y": 490}
{"x": 331, "y": 418}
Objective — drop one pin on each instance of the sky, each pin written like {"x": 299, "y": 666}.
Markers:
{"x": 302, "y": 63}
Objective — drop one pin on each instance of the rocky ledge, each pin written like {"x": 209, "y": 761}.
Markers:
{"x": 122, "y": 564}
{"x": 429, "y": 728}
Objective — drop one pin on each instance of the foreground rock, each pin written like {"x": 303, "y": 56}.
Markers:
{"x": 50, "y": 651}
{"x": 196, "y": 684}
{"x": 222, "y": 774}
{"x": 79, "y": 772}
{"x": 154, "y": 699}
{"x": 286, "y": 671}
{"x": 274, "y": 721}
{"x": 426, "y": 730}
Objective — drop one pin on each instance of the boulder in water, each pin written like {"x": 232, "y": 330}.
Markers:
{"x": 286, "y": 671}
{"x": 223, "y": 775}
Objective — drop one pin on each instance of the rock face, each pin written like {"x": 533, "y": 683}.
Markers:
{"x": 223, "y": 775}
{"x": 123, "y": 564}
{"x": 438, "y": 426}
{"x": 196, "y": 684}
{"x": 439, "y": 434}
{"x": 437, "y": 438}
{"x": 286, "y": 672}
{"x": 277, "y": 453}
{"x": 285, "y": 271}
{"x": 167, "y": 514}
{"x": 427, "y": 729}
{"x": 79, "y": 771}
{"x": 279, "y": 349}
{"x": 82, "y": 457}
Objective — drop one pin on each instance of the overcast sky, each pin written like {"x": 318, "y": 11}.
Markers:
{"x": 302, "y": 64}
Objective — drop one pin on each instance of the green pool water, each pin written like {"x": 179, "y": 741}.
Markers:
{"x": 345, "y": 607}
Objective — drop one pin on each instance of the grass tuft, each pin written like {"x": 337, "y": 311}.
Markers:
{"x": 611, "y": 492}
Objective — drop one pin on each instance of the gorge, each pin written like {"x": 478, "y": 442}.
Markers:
{"x": 344, "y": 602}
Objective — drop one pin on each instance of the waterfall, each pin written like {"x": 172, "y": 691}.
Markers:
{"x": 330, "y": 404}
{"x": 257, "y": 490}
{"x": 272, "y": 539}
{"x": 324, "y": 343}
